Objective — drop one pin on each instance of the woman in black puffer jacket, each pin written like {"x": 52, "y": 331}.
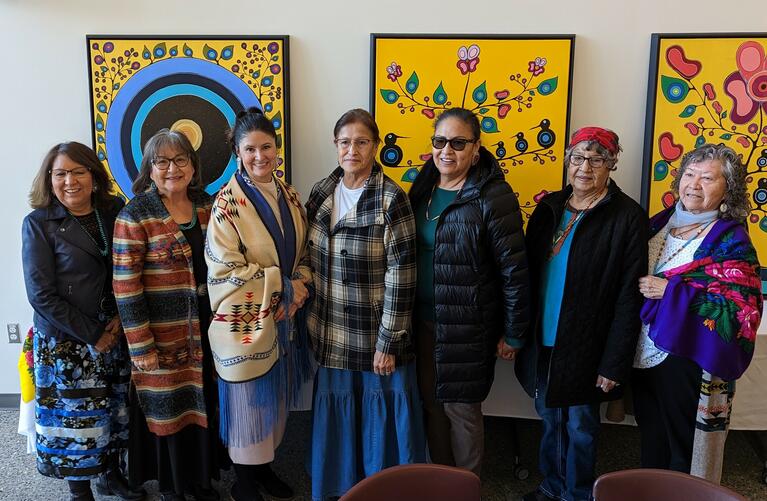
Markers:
{"x": 472, "y": 291}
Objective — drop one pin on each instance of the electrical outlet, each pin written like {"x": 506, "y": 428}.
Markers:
{"x": 14, "y": 336}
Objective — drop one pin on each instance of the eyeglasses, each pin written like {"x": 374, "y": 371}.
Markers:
{"x": 163, "y": 163}
{"x": 457, "y": 143}
{"x": 360, "y": 143}
{"x": 78, "y": 172}
{"x": 594, "y": 162}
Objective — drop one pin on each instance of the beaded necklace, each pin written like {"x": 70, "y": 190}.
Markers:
{"x": 105, "y": 250}
{"x": 658, "y": 264}
{"x": 560, "y": 236}
{"x": 190, "y": 224}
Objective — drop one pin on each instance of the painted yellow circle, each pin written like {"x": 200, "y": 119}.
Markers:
{"x": 191, "y": 130}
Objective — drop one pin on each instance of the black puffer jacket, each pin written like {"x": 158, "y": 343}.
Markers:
{"x": 599, "y": 316}
{"x": 480, "y": 278}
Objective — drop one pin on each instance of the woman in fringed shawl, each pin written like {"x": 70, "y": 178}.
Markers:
{"x": 703, "y": 306}
{"x": 258, "y": 276}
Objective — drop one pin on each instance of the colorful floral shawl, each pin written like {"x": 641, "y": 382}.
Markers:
{"x": 712, "y": 306}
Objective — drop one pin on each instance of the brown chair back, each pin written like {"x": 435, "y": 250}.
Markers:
{"x": 650, "y": 485}
{"x": 417, "y": 482}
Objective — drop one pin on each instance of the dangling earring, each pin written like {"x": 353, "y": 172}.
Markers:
{"x": 95, "y": 188}
{"x": 723, "y": 208}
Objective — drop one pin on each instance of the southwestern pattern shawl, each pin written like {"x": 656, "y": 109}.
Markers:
{"x": 248, "y": 259}
{"x": 712, "y": 306}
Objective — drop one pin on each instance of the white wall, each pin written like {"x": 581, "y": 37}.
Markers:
{"x": 44, "y": 85}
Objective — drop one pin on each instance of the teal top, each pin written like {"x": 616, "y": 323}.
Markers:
{"x": 425, "y": 234}
{"x": 553, "y": 283}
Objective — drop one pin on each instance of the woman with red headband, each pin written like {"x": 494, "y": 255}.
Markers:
{"x": 587, "y": 248}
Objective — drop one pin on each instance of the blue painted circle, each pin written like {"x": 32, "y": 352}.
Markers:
{"x": 145, "y": 77}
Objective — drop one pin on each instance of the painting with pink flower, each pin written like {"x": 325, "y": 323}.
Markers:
{"x": 519, "y": 88}
{"x": 707, "y": 88}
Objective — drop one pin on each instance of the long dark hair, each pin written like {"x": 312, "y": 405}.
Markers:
{"x": 170, "y": 139}
{"x": 41, "y": 195}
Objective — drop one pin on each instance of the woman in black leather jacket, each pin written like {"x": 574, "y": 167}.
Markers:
{"x": 81, "y": 364}
{"x": 472, "y": 290}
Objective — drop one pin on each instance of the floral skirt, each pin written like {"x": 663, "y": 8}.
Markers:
{"x": 81, "y": 414}
{"x": 363, "y": 423}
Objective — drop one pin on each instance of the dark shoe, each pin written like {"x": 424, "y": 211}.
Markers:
{"x": 537, "y": 495}
{"x": 238, "y": 493}
{"x": 272, "y": 484}
{"x": 172, "y": 497}
{"x": 81, "y": 496}
{"x": 80, "y": 490}
{"x": 114, "y": 484}
{"x": 203, "y": 493}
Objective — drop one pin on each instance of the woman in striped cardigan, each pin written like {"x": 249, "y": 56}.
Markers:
{"x": 160, "y": 286}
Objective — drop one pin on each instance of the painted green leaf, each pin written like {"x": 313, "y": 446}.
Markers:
{"x": 99, "y": 123}
{"x": 724, "y": 114}
{"x": 209, "y": 52}
{"x": 145, "y": 53}
{"x": 489, "y": 125}
{"x": 674, "y": 89}
{"x": 277, "y": 120}
{"x": 700, "y": 141}
{"x": 188, "y": 52}
{"x": 660, "y": 170}
{"x": 390, "y": 96}
{"x": 440, "y": 96}
{"x": 278, "y": 141}
{"x": 102, "y": 154}
{"x": 548, "y": 86}
{"x": 688, "y": 111}
{"x": 484, "y": 110}
{"x": 412, "y": 83}
{"x": 409, "y": 175}
{"x": 227, "y": 52}
{"x": 531, "y": 92}
{"x": 102, "y": 106}
{"x": 726, "y": 136}
{"x": 480, "y": 93}
{"x": 159, "y": 50}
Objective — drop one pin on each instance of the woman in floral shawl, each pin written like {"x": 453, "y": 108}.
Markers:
{"x": 702, "y": 308}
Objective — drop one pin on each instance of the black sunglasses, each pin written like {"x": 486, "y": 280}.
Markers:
{"x": 458, "y": 143}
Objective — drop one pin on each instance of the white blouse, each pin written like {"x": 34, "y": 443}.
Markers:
{"x": 647, "y": 354}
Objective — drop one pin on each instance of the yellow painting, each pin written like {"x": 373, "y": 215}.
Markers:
{"x": 708, "y": 89}
{"x": 195, "y": 85}
{"x": 519, "y": 88}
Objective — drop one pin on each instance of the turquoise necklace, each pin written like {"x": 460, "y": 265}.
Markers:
{"x": 190, "y": 224}
{"x": 103, "y": 250}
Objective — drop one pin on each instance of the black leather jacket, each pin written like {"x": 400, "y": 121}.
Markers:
{"x": 68, "y": 281}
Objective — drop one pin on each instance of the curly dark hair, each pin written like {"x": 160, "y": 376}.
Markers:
{"x": 734, "y": 172}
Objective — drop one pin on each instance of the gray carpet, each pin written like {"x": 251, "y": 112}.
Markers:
{"x": 618, "y": 449}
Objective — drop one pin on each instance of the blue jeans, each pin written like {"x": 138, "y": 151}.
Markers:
{"x": 568, "y": 447}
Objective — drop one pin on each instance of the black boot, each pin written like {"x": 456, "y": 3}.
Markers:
{"x": 245, "y": 487}
{"x": 113, "y": 483}
{"x": 80, "y": 490}
{"x": 271, "y": 483}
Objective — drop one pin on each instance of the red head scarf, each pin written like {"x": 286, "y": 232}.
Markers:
{"x": 606, "y": 138}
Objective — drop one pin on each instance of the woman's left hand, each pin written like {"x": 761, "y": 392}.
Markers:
{"x": 652, "y": 287}
{"x": 505, "y": 351}
{"x": 383, "y": 364}
{"x": 607, "y": 385}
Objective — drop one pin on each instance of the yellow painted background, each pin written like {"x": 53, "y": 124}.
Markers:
{"x": 122, "y": 72}
{"x": 435, "y": 60}
{"x": 718, "y": 58}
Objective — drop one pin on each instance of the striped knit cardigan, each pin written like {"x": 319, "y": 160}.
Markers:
{"x": 157, "y": 299}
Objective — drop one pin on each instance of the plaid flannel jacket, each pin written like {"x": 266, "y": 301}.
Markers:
{"x": 364, "y": 274}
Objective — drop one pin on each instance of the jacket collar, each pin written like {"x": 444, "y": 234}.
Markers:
{"x": 369, "y": 208}
{"x": 557, "y": 199}
{"x": 486, "y": 170}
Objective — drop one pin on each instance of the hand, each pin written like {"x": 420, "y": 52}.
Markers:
{"x": 279, "y": 313}
{"x": 105, "y": 342}
{"x": 114, "y": 326}
{"x": 607, "y": 385}
{"x": 300, "y": 293}
{"x": 652, "y": 287}
{"x": 505, "y": 351}
{"x": 383, "y": 365}
{"x": 150, "y": 362}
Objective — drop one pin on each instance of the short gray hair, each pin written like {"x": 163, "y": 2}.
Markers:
{"x": 736, "y": 197}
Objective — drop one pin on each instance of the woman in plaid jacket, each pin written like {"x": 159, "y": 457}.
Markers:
{"x": 367, "y": 413}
